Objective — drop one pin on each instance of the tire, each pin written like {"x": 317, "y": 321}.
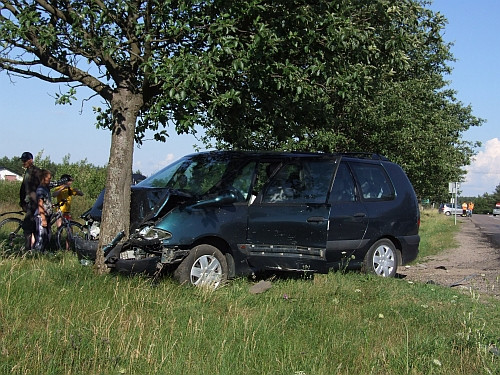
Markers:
{"x": 447, "y": 213}
{"x": 204, "y": 266}
{"x": 12, "y": 233}
{"x": 382, "y": 259}
{"x": 65, "y": 240}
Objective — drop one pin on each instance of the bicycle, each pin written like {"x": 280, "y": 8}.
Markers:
{"x": 68, "y": 231}
{"x": 11, "y": 230}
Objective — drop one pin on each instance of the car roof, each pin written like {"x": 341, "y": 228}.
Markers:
{"x": 294, "y": 154}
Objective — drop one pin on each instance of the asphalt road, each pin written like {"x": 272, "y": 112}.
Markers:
{"x": 490, "y": 226}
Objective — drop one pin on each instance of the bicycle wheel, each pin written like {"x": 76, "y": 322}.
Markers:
{"x": 66, "y": 234}
{"x": 12, "y": 235}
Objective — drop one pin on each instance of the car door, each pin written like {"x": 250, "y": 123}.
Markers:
{"x": 348, "y": 217}
{"x": 288, "y": 221}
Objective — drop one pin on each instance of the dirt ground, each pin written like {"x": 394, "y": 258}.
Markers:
{"x": 473, "y": 266}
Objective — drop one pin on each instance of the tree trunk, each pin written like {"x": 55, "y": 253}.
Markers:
{"x": 116, "y": 210}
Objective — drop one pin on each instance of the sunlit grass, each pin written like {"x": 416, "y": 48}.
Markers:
{"x": 437, "y": 233}
{"x": 57, "y": 317}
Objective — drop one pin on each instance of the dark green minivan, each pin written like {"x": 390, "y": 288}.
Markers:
{"x": 211, "y": 216}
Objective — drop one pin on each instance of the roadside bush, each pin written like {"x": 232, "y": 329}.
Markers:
{"x": 9, "y": 192}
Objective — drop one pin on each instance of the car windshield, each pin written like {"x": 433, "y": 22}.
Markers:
{"x": 197, "y": 175}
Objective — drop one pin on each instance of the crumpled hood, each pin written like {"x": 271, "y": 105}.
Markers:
{"x": 146, "y": 204}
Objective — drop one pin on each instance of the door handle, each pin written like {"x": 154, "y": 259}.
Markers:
{"x": 315, "y": 219}
{"x": 360, "y": 214}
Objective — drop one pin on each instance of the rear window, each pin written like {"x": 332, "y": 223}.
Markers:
{"x": 374, "y": 183}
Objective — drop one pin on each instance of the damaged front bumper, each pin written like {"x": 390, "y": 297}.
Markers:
{"x": 134, "y": 256}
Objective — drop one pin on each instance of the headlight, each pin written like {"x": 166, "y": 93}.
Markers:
{"x": 152, "y": 233}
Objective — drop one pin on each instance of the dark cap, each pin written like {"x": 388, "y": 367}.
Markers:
{"x": 26, "y": 156}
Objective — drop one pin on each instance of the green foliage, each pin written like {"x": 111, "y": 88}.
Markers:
{"x": 13, "y": 164}
{"x": 89, "y": 178}
{"x": 9, "y": 192}
{"x": 367, "y": 77}
{"x": 496, "y": 194}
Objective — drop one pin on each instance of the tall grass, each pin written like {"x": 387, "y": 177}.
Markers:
{"x": 57, "y": 317}
{"x": 437, "y": 233}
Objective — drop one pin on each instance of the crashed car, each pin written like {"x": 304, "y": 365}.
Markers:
{"x": 211, "y": 216}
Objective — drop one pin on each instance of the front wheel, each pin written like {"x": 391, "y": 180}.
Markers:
{"x": 66, "y": 234}
{"x": 382, "y": 259}
{"x": 204, "y": 266}
{"x": 12, "y": 233}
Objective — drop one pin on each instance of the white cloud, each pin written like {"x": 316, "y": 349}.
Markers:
{"x": 483, "y": 175}
{"x": 149, "y": 165}
{"x": 169, "y": 158}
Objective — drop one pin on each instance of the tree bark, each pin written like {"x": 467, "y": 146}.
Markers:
{"x": 116, "y": 210}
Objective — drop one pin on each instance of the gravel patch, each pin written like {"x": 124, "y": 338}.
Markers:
{"x": 472, "y": 267}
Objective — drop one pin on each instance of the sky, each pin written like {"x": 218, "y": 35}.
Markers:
{"x": 30, "y": 121}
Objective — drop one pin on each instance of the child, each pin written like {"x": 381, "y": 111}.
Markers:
{"x": 43, "y": 211}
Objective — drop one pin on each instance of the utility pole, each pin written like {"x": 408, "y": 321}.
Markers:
{"x": 453, "y": 190}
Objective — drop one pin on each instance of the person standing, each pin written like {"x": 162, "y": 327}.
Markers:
{"x": 470, "y": 208}
{"x": 27, "y": 197}
{"x": 43, "y": 212}
{"x": 464, "y": 209}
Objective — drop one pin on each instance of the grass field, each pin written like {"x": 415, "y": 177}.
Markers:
{"x": 57, "y": 317}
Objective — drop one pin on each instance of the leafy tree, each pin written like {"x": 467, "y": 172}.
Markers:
{"x": 496, "y": 194}
{"x": 255, "y": 74}
{"x": 372, "y": 78}
{"x": 12, "y": 164}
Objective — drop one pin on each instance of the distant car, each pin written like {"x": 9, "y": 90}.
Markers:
{"x": 496, "y": 210}
{"x": 448, "y": 209}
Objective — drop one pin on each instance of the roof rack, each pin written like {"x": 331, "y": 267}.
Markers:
{"x": 365, "y": 155}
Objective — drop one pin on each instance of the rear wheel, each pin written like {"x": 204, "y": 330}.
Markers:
{"x": 382, "y": 259}
{"x": 12, "y": 234}
{"x": 204, "y": 266}
{"x": 66, "y": 234}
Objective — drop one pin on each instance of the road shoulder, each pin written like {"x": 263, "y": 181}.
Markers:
{"x": 472, "y": 266}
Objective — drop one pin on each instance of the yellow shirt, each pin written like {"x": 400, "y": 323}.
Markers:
{"x": 65, "y": 193}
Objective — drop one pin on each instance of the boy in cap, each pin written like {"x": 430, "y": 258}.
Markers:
{"x": 27, "y": 197}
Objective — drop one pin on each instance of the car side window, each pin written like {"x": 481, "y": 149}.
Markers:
{"x": 373, "y": 181}
{"x": 302, "y": 181}
{"x": 344, "y": 189}
{"x": 243, "y": 180}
